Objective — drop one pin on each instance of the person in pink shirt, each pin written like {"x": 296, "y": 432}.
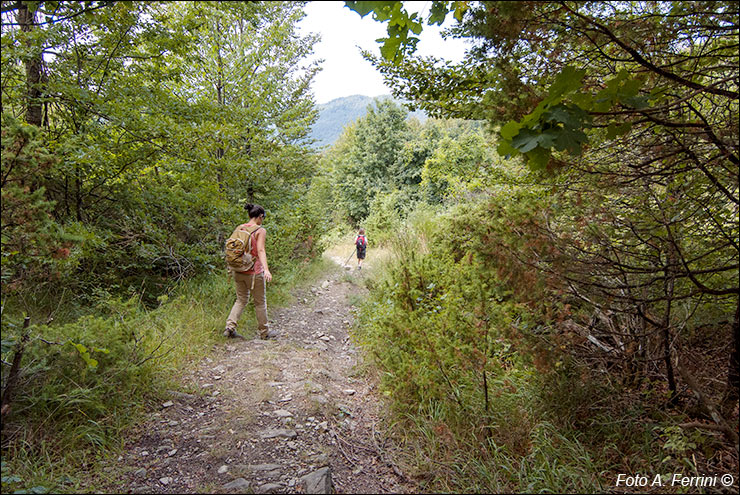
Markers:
{"x": 253, "y": 281}
{"x": 361, "y": 247}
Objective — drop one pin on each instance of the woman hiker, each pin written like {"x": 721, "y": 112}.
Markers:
{"x": 361, "y": 245}
{"x": 253, "y": 280}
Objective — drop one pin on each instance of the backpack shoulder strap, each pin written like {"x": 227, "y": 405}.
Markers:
{"x": 252, "y": 232}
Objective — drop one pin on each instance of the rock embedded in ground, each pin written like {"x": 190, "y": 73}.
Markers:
{"x": 264, "y": 467}
{"x": 239, "y": 484}
{"x": 278, "y": 433}
{"x": 318, "y": 481}
{"x": 223, "y": 469}
{"x": 269, "y": 488}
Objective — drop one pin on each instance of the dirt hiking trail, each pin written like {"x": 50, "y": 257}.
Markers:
{"x": 291, "y": 415}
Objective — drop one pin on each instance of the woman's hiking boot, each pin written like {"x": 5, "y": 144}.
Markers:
{"x": 231, "y": 333}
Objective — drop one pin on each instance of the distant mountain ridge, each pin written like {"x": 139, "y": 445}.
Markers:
{"x": 336, "y": 114}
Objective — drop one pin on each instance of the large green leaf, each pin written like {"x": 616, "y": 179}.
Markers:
{"x": 567, "y": 81}
{"x": 510, "y": 129}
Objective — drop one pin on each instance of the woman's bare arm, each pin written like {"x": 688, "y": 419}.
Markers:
{"x": 262, "y": 255}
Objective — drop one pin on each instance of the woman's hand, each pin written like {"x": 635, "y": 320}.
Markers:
{"x": 268, "y": 275}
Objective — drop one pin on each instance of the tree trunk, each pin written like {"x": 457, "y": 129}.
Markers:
{"x": 78, "y": 197}
{"x": 27, "y": 21}
{"x": 220, "y": 97}
{"x": 667, "y": 336}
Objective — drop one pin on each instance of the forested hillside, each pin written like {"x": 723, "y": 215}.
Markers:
{"x": 553, "y": 301}
{"x": 340, "y": 112}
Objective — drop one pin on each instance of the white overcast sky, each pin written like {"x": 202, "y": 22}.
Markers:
{"x": 344, "y": 33}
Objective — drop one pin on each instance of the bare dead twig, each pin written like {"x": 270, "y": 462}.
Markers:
{"x": 339, "y": 444}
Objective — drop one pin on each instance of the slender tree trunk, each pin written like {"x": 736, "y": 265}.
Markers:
{"x": 220, "y": 97}
{"x": 667, "y": 335}
{"x": 27, "y": 21}
{"x": 78, "y": 197}
{"x": 66, "y": 195}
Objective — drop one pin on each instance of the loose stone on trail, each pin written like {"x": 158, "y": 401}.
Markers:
{"x": 318, "y": 482}
{"x": 264, "y": 467}
{"x": 278, "y": 433}
{"x": 269, "y": 488}
{"x": 239, "y": 484}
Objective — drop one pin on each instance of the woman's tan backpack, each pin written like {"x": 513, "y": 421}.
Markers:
{"x": 238, "y": 249}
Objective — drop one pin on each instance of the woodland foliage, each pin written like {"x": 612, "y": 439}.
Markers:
{"x": 618, "y": 248}
{"x": 133, "y": 133}
{"x": 158, "y": 122}
{"x": 563, "y": 231}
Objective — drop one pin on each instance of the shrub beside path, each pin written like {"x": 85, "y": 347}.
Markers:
{"x": 291, "y": 415}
